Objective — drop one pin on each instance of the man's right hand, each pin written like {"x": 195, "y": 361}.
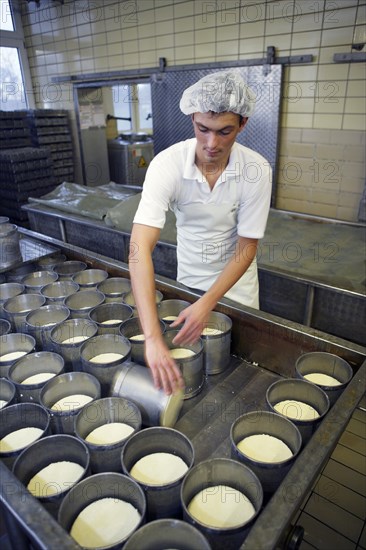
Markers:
{"x": 166, "y": 373}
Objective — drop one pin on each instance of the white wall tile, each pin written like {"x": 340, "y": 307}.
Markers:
{"x": 354, "y": 122}
{"x": 344, "y": 16}
{"x": 184, "y": 9}
{"x": 328, "y": 121}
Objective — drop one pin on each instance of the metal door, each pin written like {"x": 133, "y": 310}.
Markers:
{"x": 261, "y": 131}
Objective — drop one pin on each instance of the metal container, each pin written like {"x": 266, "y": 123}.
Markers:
{"x": 296, "y": 390}
{"x": 40, "y": 322}
{"x": 106, "y": 457}
{"x": 57, "y": 292}
{"x": 49, "y": 262}
{"x": 229, "y": 473}
{"x": 9, "y": 290}
{"x": 16, "y": 274}
{"x": 46, "y": 451}
{"x": 4, "y": 219}
{"x": 17, "y": 308}
{"x": 7, "y": 393}
{"x": 104, "y": 368}
{"x": 33, "y": 364}
{"x": 81, "y": 303}
{"x": 129, "y": 157}
{"x": 167, "y": 533}
{"x": 68, "y": 385}
{"x": 216, "y": 347}
{"x": 131, "y": 327}
{"x": 12, "y": 344}
{"x": 90, "y": 278}
{"x": 191, "y": 367}
{"x": 129, "y": 299}
{"x": 66, "y": 270}
{"x": 68, "y": 337}
{"x": 270, "y": 474}
{"x": 110, "y": 316}
{"x": 163, "y": 500}
{"x": 20, "y": 416}
{"x": 113, "y": 288}
{"x": 168, "y": 309}
{"x": 98, "y": 486}
{"x": 135, "y": 382}
{"x": 35, "y": 281}
{"x": 329, "y": 364}
{"x": 10, "y": 253}
{"x": 5, "y": 327}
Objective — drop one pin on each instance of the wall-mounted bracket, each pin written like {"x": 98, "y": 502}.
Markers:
{"x": 270, "y": 60}
{"x": 356, "y": 57}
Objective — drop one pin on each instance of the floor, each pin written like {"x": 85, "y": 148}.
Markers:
{"x": 334, "y": 515}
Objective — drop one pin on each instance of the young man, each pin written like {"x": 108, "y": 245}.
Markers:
{"x": 220, "y": 193}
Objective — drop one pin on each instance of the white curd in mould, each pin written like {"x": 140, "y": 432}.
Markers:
{"x": 181, "y": 353}
{"x": 106, "y": 358}
{"x": 18, "y": 439}
{"x": 111, "y": 322}
{"x": 221, "y": 507}
{"x": 322, "y": 379}
{"x": 159, "y": 469}
{"x": 296, "y": 410}
{"x": 55, "y": 478}
{"x": 139, "y": 337}
{"x": 105, "y": 522}
{"x": 71, "y": 402}
{"x": 11, "y": 356}
{"x": 38, "y": 378}
{"x": 170, "y": 318}
{"x": 107, "y": 434}
{"x": 2, "y": 403}
{"x": 74, "y": 340}
{"x": 265, "y": 448}
{"x": 209, "y": 331}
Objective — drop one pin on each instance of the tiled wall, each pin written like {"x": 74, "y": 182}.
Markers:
{"x": 322, "y": 137}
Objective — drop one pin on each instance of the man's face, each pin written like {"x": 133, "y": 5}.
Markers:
{"x": 215, "y": 135}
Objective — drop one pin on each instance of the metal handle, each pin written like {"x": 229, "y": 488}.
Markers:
{"x": 294, "y": 538}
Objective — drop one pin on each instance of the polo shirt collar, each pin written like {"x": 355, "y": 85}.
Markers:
{"x": 191, "y": 172}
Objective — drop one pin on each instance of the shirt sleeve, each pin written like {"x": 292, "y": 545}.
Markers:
{"x": 157, "y": 192}
{"x": 255, "y": 199}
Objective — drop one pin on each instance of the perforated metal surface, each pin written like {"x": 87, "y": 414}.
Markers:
{"x": 261, "y": 131}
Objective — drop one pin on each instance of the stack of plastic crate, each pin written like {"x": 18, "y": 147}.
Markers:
{"x": 14, "y": 130}
{"x": 50, "y": 128}
{"x": 24, "y": 172}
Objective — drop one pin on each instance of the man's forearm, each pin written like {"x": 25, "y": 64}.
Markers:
{"x": 143, "y": 287}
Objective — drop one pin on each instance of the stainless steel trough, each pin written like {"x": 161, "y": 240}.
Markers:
{"x": 264, "y": 349}
{"x": 322, "y": 295}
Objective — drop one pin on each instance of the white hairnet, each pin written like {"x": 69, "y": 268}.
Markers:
{"x": 224, "y": 91}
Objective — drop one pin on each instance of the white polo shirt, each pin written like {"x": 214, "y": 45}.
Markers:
{"x": 237, "y": 205}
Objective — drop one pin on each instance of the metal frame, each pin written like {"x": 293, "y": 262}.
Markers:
{"x": 162, "y": 67}
{"x": 354, "y": 57}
